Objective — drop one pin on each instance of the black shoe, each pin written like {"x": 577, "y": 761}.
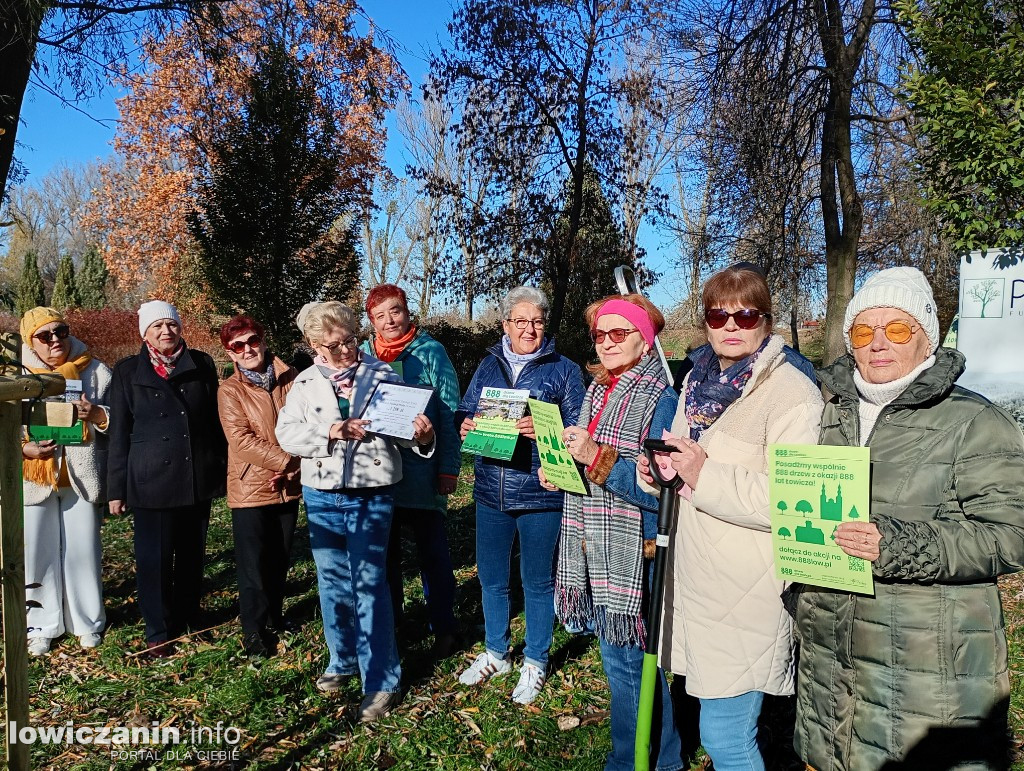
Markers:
{"x": 284, "y": 625}
{"x": 158, "y": 650}
{"x": 255, "y": 645}
{"x": 444, "y": 646}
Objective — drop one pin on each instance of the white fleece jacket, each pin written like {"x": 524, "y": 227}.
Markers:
{"x": 87, "y": 463}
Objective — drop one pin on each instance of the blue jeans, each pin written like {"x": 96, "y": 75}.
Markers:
{"x": 348, "y": 532}
{"x": 538, "y": 539}
{"x": 728, "y": 731}
{"x": 623, "y": 666}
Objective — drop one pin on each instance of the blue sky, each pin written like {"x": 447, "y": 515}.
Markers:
{"x": 52, "y": 133}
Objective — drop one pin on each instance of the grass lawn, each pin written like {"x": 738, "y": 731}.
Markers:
{"x": 284, "y": 722}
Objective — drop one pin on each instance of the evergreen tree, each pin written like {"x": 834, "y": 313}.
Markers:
{"x": 65, "y": 291}
{"x": 92, "y": 280}
{"x": 599, "y": 248}
{"x": 30, "y": 286}
{"x": 266, "y": 222}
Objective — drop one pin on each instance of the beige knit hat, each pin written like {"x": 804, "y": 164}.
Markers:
{"x": 903, "y": 288}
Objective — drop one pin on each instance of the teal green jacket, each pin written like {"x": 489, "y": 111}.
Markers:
{"x": 916, "y": 676}
{"x": 425, "y": 362}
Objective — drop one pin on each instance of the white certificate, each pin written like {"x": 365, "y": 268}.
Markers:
{"x": 393, "y": 407}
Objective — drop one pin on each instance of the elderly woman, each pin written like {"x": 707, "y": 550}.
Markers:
{"x": 348, "y": 479}
{"x": 63, "y": 487}
{"x": 421, "y": 498}
{"x": 726, "y": 630}
{"x": 915, "y": 676}
{"x": 167, "y": 463}
{"x": 603, "y": 576}
{"x": 263, "y": 480}
{"x": 509, "y": 497}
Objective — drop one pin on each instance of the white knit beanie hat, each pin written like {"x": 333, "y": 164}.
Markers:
{"x": 903, "y": 288}
{"x": 155, "y": 310}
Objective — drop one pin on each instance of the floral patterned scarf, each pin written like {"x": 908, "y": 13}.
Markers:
{"x": 709, "y": 391}
{"x": 265, "y": 379}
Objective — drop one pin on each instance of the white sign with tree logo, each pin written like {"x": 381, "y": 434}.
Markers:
{"x": 991, "y": 324}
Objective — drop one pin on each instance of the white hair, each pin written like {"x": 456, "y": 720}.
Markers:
{"x": 524, "y": 294}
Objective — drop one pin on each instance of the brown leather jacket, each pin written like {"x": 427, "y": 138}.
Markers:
{"x": 249, "y": 415}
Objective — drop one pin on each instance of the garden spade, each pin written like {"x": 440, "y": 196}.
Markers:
{"x": 649, "y": 679}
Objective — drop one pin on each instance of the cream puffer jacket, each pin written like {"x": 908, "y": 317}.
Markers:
{"x": 724, "y": 624}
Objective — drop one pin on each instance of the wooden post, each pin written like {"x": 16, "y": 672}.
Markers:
{"x": 12, "y": 571}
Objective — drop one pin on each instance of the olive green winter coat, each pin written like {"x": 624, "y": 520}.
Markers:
{"x": 916, "y": 676}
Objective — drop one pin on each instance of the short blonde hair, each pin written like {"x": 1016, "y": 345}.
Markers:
{"x": 327, "y": 316}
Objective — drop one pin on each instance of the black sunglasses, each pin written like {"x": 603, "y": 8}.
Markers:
{"x": 57, "y": 333}
{"x": 745, "y": 318}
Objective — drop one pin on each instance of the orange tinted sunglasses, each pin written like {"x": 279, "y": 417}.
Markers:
{"x": 898, "y": 332}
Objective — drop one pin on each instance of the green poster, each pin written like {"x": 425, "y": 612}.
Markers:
{"x": 399, "y": 368}
{"x": 497, "y": 412}
{"x": 558, "y": 465}
{"x": 812, "y": 489}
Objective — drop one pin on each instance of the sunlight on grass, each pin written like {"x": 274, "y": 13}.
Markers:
{"x": 286, "y": 723}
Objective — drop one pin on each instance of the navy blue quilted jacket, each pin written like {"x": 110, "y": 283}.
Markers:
{"x": 512, "y": 485}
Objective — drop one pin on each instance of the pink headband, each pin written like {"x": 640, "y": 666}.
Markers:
{"x": 633, "y": 313}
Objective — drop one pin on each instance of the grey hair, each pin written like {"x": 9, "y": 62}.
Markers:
{"x": 326, "y": 316}
{"x": 524, "y": 294}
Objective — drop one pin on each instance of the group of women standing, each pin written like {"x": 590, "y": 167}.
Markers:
{"x": 915, "y": 674}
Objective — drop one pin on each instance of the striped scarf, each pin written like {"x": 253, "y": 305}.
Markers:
{"x": 611, "y": 528}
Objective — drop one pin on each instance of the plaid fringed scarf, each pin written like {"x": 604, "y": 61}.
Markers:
{"x": 602, "y": 583}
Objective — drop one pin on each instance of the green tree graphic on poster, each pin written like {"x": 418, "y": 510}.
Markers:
{"x": 812, "y": 490}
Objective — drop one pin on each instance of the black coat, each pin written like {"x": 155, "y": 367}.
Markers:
{"x": 167, "y": 446}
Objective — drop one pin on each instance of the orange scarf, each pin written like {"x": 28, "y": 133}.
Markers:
{"x": 390, "y": 350}
{"x": 44, "y": 471}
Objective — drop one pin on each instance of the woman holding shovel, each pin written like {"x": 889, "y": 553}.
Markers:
{"x": 606, "y": 543}
{"x": 725, "y": 629}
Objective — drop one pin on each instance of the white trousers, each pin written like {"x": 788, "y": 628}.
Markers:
{"x": 63, "y": 555}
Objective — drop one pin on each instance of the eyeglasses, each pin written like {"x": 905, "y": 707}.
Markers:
{"x": 896, "y": 331}
{"x": 617, "y": 335}
{"x": 523, "y": 323}
{"x": 57, "y": 333}
{"x": 238, "y": 346}
{"x": 347, "y": 343}
{"x": 745, "y": 318}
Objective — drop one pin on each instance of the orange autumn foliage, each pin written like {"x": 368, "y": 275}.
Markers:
{"x": 192, "y": 88}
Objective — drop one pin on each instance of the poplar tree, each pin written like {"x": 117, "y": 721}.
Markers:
{"x": 30, "y": 286}
{"x": 65, "y": 291}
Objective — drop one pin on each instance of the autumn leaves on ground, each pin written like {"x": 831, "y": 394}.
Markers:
{"x": 284, "y": 721}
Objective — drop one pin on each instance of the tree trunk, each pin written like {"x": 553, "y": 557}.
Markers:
{"x": 23, "y": 19}
{"x": 841, "y": 206}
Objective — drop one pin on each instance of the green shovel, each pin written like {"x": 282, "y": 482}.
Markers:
{"x": 649, "y": 679}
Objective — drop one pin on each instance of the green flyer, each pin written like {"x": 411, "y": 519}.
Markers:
{"x": 497, "y": 412}
{"x": 558, "y": 465}
{"x": 812, "y": 489}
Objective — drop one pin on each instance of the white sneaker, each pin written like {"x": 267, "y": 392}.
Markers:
{"x": 531, "y": 680}
{"x": 91, "y": 640}
{"x": 484, "y": 668}
{"x": 38, "y": 646}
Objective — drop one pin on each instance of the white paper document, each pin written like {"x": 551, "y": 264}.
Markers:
{"x": 394, "y": 406}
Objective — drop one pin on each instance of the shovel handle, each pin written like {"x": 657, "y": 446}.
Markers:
{"x": 651, "y": 447}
